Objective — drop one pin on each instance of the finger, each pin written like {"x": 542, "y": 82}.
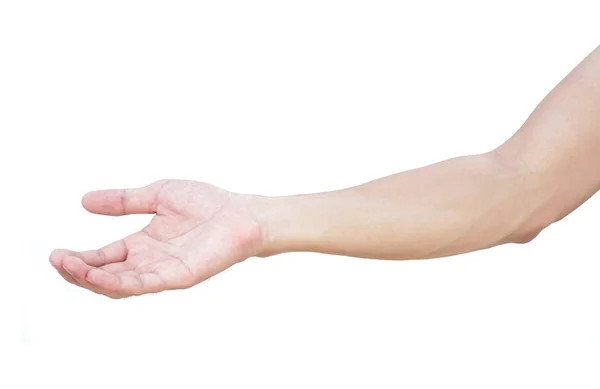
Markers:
{"x": 56, "y": 262}
{"x": 79, "y": 270}
{"x": 111, "y": 253}
{"x": 117, "y": 202}
{"x": 114, "y": 252}
{"x": 66, "y": 276}
{"x": 118, "y": 267}
{"x": 129, "y": 283}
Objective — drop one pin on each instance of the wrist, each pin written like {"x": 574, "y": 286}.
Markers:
{"x": 286, "y": 224}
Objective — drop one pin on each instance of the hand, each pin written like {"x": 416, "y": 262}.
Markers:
{"x": 198, "y": 231}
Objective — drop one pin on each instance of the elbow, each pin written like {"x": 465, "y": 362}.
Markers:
{"x": 526, "y": 237}
{"x": 526, "y": 232}
{"x": 530, "y": 230}
{"x": 530, "y": 200}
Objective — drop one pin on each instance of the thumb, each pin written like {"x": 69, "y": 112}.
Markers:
{"x": 117, "y": 202}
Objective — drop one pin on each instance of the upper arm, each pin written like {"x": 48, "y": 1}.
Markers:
{"x": 557, "y": 150}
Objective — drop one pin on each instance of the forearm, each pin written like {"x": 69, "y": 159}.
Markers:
{"x": 452, "y": 207}
{"x": 540, "y": 175}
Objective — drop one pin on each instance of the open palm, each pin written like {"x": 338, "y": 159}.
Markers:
{"x": 198, "y": 231}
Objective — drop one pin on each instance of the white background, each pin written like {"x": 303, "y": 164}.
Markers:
{"x": 281, "y": 97}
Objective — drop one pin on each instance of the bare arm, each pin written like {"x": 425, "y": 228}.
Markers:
{"x": 542, "y": 173}
{"x": 545, "y": 171}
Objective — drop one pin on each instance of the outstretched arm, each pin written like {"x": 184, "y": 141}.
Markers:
{"x": 508, "y": 195}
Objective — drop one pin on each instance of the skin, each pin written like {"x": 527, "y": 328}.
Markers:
{"x": 508, "y": 195}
